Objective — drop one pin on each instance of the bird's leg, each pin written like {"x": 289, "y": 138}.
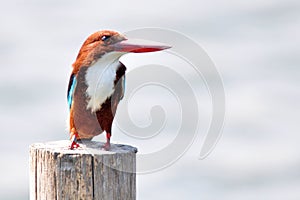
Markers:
{"x": 74, "y": 137}
{"x": 106, "y": 147}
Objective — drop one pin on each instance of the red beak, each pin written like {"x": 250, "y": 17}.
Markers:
{"x": 139, "y": 46}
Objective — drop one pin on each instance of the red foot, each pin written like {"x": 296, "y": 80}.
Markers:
{"x": 106, "y": 147}
{"x": 74, "y": 145}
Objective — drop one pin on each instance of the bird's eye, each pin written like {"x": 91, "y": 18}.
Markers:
{"x": 105, "y": 37}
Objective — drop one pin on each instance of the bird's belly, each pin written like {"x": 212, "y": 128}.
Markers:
{"x": 86, "y": 122}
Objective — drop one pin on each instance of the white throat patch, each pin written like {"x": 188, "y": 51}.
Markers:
{"x": 100, "y": 79}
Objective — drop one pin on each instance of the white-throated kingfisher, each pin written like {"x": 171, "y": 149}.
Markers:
{"x": 97, "y": 83}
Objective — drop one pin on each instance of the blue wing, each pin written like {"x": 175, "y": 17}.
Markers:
{"x": 71, "y": 89}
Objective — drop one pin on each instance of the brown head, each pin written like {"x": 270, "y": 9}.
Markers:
{"x": 106, "y": 41}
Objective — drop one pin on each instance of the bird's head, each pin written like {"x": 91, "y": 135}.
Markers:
{"x": 106, "y": 41}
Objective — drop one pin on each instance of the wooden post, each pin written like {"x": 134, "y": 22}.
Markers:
{"x": 85, "y": 173}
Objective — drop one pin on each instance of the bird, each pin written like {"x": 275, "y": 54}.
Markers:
{"x": 97, "y": 83}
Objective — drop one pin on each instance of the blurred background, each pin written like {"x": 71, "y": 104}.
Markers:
{"x": 254, "y": 44}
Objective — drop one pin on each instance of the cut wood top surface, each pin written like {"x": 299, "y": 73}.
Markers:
{"x": 86, "y": 147}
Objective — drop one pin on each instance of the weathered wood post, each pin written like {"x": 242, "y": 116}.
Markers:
{"x": 85, "y": 173}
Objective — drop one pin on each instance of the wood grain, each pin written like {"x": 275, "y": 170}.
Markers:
{"x": 85, "y": 173}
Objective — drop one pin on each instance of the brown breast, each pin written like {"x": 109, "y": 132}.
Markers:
{"x": 89, "y": 124}
{"x": 85, "y": 122}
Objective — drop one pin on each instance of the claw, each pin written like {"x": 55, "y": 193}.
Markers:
{"x": 74, "y": 144}
{"x": 106, "y": 147}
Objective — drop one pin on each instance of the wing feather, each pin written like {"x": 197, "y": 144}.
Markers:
{"x": 71, "y": 89}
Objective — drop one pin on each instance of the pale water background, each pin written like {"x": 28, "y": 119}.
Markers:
{"x": 254, "y": 44}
